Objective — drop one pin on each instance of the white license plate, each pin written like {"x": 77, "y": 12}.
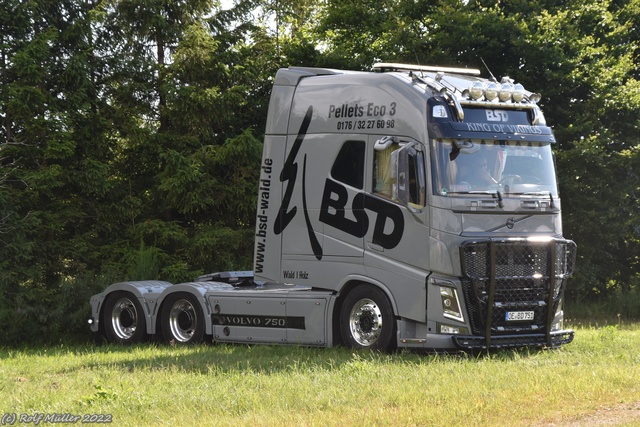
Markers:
{"x": 519, "y": 315}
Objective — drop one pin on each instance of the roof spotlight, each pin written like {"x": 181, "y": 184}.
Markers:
{"x": 491, "y": 91}
{"x": 505, "y": 92}
{"x": 518, "y": 93}
{"x": 476, "y": 90}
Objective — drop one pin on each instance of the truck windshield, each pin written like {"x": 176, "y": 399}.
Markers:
{"x": 476, "y": 166}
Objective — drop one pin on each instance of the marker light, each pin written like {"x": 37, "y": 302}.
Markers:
{"x": 440, "y": 112}
{"x": 476, "y": 90}
{"x": 505, "y": 92}
{"x": 491, "y": 92}
{"x": 518, "y": 93}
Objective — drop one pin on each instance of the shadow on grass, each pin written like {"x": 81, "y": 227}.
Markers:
{"x": 234, "y": 358}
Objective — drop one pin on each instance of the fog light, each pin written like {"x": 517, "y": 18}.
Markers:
{"x": 451, "y": 303}
{"x": 452, "y": 330}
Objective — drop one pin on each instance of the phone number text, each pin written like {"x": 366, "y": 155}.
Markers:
{"x": 365, "y": 124}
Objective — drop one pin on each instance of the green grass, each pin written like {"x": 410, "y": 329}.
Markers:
{"x": 282, "y": 386}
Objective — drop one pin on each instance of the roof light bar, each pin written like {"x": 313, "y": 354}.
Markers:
{"x": 507, "y": 93}
{"x": 382, "y": 66}
{"x": 493, "y": 92}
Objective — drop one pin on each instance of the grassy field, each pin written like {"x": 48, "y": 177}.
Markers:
{"x": 593, "y": 381}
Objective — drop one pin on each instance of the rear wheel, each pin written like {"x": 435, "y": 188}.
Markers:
{"x": 123, "y": 319}
{"x": 182, "y": 319}
{"x": 366, "y": 319}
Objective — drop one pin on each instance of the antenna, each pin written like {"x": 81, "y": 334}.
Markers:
{"x": 493, "y": 79}
{"x": 415, "y": 52}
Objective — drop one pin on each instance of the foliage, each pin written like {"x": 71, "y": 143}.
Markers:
{"x": 122, "y": 127}
{"x": 600, "y": 204}
{"x": 131, "y": 129}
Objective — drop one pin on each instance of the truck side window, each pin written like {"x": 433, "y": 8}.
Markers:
{"x": 348, "y": 167}
{"x": 382, "y": 179}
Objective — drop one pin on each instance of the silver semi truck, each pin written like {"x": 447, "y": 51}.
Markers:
{"x": 410, "y": 206}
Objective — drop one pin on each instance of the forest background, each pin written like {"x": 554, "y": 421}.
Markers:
{"x": 131, "y": 131}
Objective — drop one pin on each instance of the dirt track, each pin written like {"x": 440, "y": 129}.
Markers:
{"x": 627, "y": 414}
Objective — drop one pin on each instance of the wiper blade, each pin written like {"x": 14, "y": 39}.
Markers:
{"x": 534, "y": 193}
{"x": 539, "y": 193}
{"x": 499, "y": 194}
{"x": 493, "y": 193}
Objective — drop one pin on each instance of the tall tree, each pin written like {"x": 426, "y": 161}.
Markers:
{"x": 187, "y": 147}
{"x": 121, "y": 125}
{"x": 51, "y": 121}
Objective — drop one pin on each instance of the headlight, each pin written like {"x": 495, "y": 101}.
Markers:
{"x": 451, "y": 304}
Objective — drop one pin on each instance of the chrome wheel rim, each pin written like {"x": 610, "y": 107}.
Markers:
{"x": 183, "y": 320}
{"x": 365, "y": 322}
{"x": 124, "y": 318}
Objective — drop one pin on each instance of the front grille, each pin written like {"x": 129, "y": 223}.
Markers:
{"x": 514, "y": 275}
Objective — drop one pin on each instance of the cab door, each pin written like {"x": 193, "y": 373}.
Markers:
{"x": 396, "y": 242}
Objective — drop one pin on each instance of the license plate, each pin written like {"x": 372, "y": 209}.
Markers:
{"x": 513, "y": 316}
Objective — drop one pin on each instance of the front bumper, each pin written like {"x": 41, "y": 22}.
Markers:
{"x": 553, "y": 340}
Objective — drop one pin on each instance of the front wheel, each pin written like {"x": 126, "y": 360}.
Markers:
{"x": 123, "y": 319}
{"x": 366, "y": 319}
{"x": 182, "y": 319}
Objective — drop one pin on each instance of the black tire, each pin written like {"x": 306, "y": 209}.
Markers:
{"x": 182, "y": 319}
{"x": 123, "y": 319}
{"x": 367, "y": 320}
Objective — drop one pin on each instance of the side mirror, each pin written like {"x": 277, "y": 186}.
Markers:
{"x": 407, "y": 166}
{"x": 400, "y": 171}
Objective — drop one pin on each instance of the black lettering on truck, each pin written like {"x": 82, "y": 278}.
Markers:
{"x": 334, "y": 202}
{"x": 289, "y": 174}
{"x": 333, "y": 208}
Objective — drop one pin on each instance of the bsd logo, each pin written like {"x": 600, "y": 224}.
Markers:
{"x": 497, "y": 116}
{"x": 334, "y": 205}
